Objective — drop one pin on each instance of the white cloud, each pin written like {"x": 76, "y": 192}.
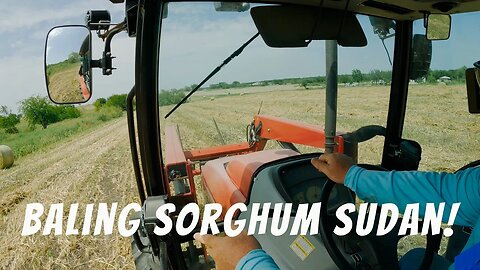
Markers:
{"x": 191, "y": 48}
{"x": 55, "y": 33}
{"x": 23, "y": 32}
{"x": 16, "y": 44}
{"x": 23, "y": 15}
{"x": 21, "y": 78}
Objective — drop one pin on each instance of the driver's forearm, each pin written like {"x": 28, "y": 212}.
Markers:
{"x": 257, "y": 259}
{"x": 402, "y": 188}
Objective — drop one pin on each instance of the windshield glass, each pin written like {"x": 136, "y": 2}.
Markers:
{"x": 281, "y": 82}
{"x": 290, "y": 83}
{"x": 437, "y": 114}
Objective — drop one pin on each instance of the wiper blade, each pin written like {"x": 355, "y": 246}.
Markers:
{"x": 215, "y": 71}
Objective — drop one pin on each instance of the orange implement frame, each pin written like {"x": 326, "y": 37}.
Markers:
{"x": 180, "y": 164}
{"x": 218, "y": 151}
{"x": 178, "y": 169}
{"x": 283, "y": 130}
{"x": 174, "y": 153}
{"x": 83, "y": 87}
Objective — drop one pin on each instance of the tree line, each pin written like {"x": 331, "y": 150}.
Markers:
{"x": 36, "y": 110}
{"x": 111, "y": 107}
{"x": 375, "y": 76}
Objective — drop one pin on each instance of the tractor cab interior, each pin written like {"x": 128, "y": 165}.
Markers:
{"x": 255, "y": 173}
{"x": 370, "y": 54}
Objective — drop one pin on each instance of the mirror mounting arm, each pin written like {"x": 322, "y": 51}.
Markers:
{"x": 96, "y": 63}
{"x": 425, "y": 19}
{"x": 106, "y": 62}
{"x": 107, "y": 53}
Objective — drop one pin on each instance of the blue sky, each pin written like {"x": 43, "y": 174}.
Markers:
{"x": 64, "y": 41}
{"x": 24, "y": 26}
{"x": 194, "y": 41}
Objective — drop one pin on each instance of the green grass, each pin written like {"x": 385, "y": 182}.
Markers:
{"x": 107, "y": 113}
{"x": 59, "y": 67}
{"x": 28, "y": 141}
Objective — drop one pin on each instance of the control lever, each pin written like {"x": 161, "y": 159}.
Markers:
{"x": 189, "y": 236}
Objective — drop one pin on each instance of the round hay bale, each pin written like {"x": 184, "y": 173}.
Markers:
{"x": 6, "y": 157}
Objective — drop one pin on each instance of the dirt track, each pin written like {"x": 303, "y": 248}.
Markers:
{"x": 92, "y": 168}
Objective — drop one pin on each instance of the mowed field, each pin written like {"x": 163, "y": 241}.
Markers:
{"x": 64, "y": 84}
{"x": 437, "y": 117}
{"x": 91, "y": 168}
{"x": 96, "y": 166}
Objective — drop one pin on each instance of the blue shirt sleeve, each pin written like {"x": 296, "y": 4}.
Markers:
{"x": 405, "y": 187}
{"x": 402, "y": 188}
{"x": 257, "y": 259}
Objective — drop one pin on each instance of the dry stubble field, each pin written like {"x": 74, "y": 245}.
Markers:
{"x": 64, "y": 82}
{"x": 437, "y": 117}
{"x": 96, "y": 167}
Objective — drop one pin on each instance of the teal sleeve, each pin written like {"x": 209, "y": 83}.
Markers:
{"x": 405, "y": 187}
{"x": 257, "y": 259}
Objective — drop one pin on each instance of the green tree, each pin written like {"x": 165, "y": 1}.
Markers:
{"x": 99, "y": 103}
{"x": 119, "y": 101}
{"x": 357, "y": 75}
{"x": 375, "y": 75}
{"x": 4, "y": 110}
{"x": 305, "y": 84}
{"x": 431, "y": 77}
{"x": 8, "y": 120}
{"x": 37, "y": 110}
{"x": 236, "y": 84}
{"x": 170, "y": 97}
{"x": 66, "y": 112}
{"x": 223, "y": 85}
{"x": 73, "y": 57}
{"x": 345, "y": 78}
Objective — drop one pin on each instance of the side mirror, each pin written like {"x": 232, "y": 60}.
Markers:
{"x": 421, "y": 57}
{"x": 472, "y": 77}
{"x": 68, "y": 72}
{"x": 438, "y": 26}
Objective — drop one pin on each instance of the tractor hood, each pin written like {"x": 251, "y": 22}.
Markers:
{"x": 228, "y": 180}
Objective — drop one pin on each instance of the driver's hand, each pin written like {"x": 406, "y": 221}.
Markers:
{"x": 227, "y": 251}
{"x": 335, "y": 166}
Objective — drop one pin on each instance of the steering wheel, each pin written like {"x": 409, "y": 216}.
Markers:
{"x": 469, "y": 165}
{"x": 327, "y": 223}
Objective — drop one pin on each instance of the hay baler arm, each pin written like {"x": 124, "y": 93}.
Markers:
{"x": 181, "y": 166}
{"x": 265, "y": 127}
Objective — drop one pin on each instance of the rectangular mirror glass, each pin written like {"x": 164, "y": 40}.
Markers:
{"x": 68, "y": 72}
{"x": 438, "y": 26}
